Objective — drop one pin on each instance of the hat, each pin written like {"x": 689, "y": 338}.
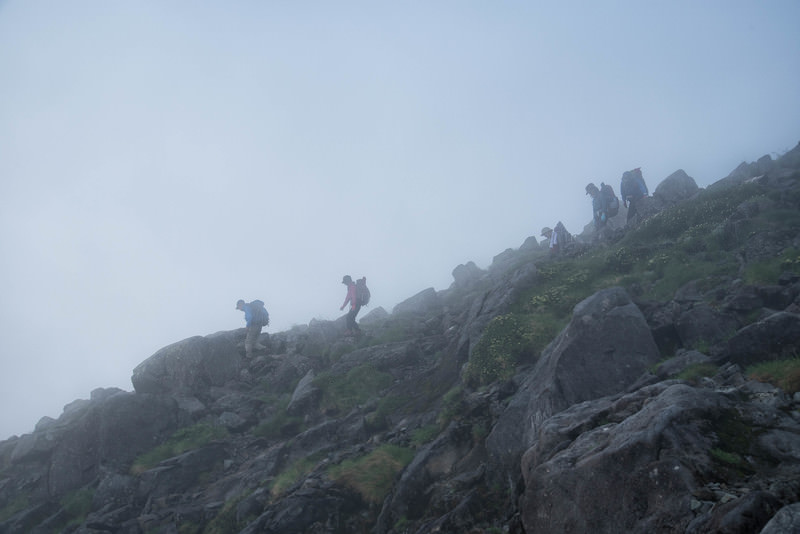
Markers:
{"x": 591, "y": 187}
{"x": 346, "y": 279}
{"x": 239, "y": 303}
{"x": 546, "y": 231}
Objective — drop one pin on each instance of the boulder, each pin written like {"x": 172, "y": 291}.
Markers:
{"x": 466, "y": 273}
{"x": 703, "y": 326}
{"x": 422, "y": 303}
{"x": 640, "y": 463}
{"x": 305, "y": 396}
{"x": 675, "y": 188}
{"x": 773, "y": 338}
{"x": 190, "y": 366}
{"x": 604, "y": 349}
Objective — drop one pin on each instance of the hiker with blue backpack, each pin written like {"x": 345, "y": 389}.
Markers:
{"x": 633, "y": 189}
{"x": 357, "y": 295}
{"x": 256, "y": 317}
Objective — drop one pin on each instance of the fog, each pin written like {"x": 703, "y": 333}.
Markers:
{"x": 160, "y": 160}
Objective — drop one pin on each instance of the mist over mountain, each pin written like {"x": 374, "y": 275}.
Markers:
{"x": 644, "y": 378}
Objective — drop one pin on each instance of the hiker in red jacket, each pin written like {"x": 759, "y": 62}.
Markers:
{"x": 355, "y": 306}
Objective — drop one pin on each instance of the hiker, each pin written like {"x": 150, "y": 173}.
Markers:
{"x": 558, "y": 238}
{"x": 599, "y": 206}
{"x": 605, "y": 203}
{"x": 355, "y": 305}
{"x": 633, "y": 189}
{"x": 256, "y": 317}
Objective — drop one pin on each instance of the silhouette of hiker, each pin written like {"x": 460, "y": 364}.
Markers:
{"x": 599, "y": 206}
{"x": 355, "y": 306}
{"x": 633, "y": 189}
{"x": 256, "y": 318}
{"x": 558, "y": 238}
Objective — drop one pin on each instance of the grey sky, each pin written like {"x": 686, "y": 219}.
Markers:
{"x": 160, "y": 160}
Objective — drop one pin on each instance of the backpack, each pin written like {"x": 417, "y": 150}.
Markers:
{"x": 564, "y": 237}
{"x": 633, "y": 184}
{"x": 362, "y": 292}
{"x": 612, "y": 202}
{"x": 260, "y": 313}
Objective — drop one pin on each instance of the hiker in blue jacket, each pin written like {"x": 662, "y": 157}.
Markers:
{"x": 256, "y": 318}
{"x": 599, "y": 206}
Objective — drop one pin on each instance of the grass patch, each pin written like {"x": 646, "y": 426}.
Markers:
{"x": 340, "y": 393}
{"x": 768, "y": 271}
{"x": 697, "y": 371}
{"x": 423, "y": 435}
{"x": 784, "y": 374}
{"x": 280, "y": 424}
{"x": 387, "y": 407}
{"x": 77, "y": 506}
{"x": 183, "y": 440}
{"x": 18, "y": 504}
{"x": 291, "y": 475}
{"x": 451, "y": 406}
{"x": 373, "y": 475}
{"x": 505, "y": 342}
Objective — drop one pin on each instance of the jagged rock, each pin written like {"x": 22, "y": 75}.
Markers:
{"x": 594, "y": 467}
{"x": 376, "y": 315}
{"x": 190, "y": 366}
{"x": 786, "y": 520}
{"x": 177, "y": 474}
{"x": 675, "y": 188}
{"x": 531, "y": 244}
{"x": 777, "y": 336}
{"x": 703, "y": 325}
{"x": 305, "y": 395}
{"x": 422, "y": 303}
{"x": 420, "y": 482}
{"x": 604, "y": 349}
{"x": 465, "y": 274}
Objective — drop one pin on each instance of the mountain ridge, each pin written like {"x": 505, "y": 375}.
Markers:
{"x": 601, "y": 390}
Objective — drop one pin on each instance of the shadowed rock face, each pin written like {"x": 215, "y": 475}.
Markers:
{"x": 606, "y": 348}
{"x": 607, "y": 431}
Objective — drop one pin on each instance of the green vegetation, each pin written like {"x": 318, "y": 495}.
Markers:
{"x": 77, "y": 506}
{"x": 733, "y": 439}
{"x": 372, "y": 475}
{"x": 340, "y": 393}
{"x": 291, "y": 475}
{"x": 724, "y": 457}
{"x": 18, "y": 504}
{"x": 280, "y": 424}
{"x": 784, "y": 374}
{"x": 768, "y": 271}
{"x": 423, "y": 435}
{"x": 451, "y": 406}
{"x": 183, "y": 440}
{"x": 502, "y": 345}
{"x": 695, "y": 372}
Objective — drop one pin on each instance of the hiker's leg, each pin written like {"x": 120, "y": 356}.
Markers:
{"x": 251, "y": 339}
{"x": 351, "y": 319}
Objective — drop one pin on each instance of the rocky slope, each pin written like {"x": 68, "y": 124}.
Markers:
{"x": 638, "y": 414}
